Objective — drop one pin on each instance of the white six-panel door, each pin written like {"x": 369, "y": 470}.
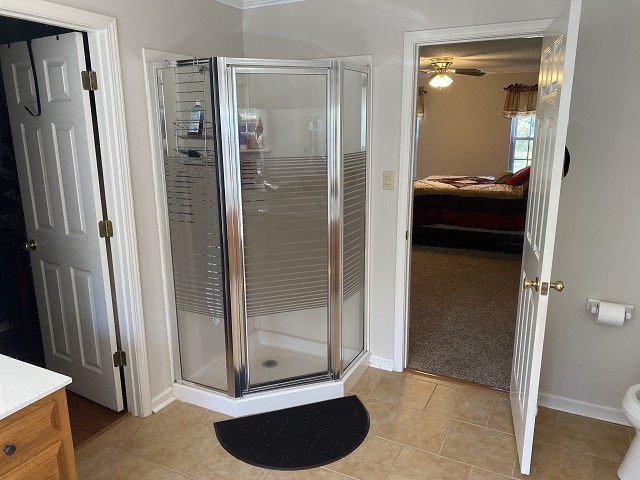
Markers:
{"x": 58, "y": 176}
{"x": 552, "y": 119}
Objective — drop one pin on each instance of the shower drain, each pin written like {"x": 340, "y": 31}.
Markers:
{"x": 270, "y": 363}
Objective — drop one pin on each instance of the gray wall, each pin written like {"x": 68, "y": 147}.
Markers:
{"x": 463, "y": 131}
{"x": 598, "y": 226}
{"x": 332, "y": 28}
{"x": 194, "y": 28}
{"x": 596, "y": 254}
{"x": 597, "y": 235}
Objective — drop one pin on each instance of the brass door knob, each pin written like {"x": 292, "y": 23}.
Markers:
{"x": 30, "y": 245}
{"x": 531, "y": 283}
{"x": 557, "y": 286}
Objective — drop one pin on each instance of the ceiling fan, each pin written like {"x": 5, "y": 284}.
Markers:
{"x": 440, "y": 67}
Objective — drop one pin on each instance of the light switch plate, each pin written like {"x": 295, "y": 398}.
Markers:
{"x": 388, "y": 180}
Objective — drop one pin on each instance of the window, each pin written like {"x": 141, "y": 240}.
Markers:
{"x": 522, "y": 133}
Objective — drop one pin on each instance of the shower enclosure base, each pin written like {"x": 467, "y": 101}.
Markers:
{"x": 275, "y": 399}
{"x": 274, "y": 356}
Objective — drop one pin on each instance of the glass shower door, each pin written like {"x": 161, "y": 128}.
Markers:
{"x": 193, "y": 220}
{"x": 355, "y": 84}
{"x": 281, "y": 155}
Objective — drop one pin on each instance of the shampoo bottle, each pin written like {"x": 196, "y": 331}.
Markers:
{"x": 196, "y": 119}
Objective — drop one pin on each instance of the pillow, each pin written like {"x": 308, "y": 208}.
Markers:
{"x": 520, "y": 177}
{"x": 503, "y": 177}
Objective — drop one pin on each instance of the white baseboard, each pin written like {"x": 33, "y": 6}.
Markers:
{"x": 162, "y": 400}
{"x": 585, "y": 409}
{"x": 381, "y": 363}
{"x": 354, "y": 372}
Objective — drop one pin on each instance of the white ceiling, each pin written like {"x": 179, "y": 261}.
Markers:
{"x": 491, "y": 56}
{"x": 245, "y": 4}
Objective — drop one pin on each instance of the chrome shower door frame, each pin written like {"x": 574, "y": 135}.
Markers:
{"x": 366, "y": 102}
{"x": 224, "y": 82}
{"x": 162, "y": 125}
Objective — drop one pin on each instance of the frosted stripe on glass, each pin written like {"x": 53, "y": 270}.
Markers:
{"x": 285, "y": 233}
{"x": 195, "y": 240}
{"x": 354, "y": 210}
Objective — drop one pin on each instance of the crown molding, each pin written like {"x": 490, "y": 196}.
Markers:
{"x": 247, "y": 4}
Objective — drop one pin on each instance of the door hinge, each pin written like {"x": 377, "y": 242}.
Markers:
{"x": 119, "y": 359}
{"x": 105, "y": 228}
{"x": 89, "y": 80}
{"x": 406, "y": 235}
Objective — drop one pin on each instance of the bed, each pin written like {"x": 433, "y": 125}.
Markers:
{"x": 473, "y": 208}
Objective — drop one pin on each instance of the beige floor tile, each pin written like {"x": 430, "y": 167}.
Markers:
{"x": 466, "y": 405}
{"x": 193, "y": 414}
{"x": 403, "y": 390}
{"x": 378, "y": 410}
{"x": 111, "y": 463}
{"x": 546, "y": 425}
{"x": 500, "y": 418}
{"x": 220, "y": 465}
{"x": 550, "y": 462}
{"x": 180, "y": 438}
{"x": 133, "y": 432}
{"x": 367, "y": 382}
{"x": 500, "y": 393}
{"x": 387, "y": 373}
{"x": 311, "y": 474}
{"x": 605, "y": 469}
{"x": 414, "y": 464}
{"x": 592, "y": 437}
{"x": 179, "y": 446}
{"x": 438, "y": 380}
{"x": 414, "y": 428}
{"x": 372, "y": 460}
{"x": 89, "y": 448}
{"x": 480, "y": 447}
{"x": 160, "y": 473}
{"x": 480, "y": 474}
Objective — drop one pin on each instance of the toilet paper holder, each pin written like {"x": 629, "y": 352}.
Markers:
{"x": 593, "y": 305}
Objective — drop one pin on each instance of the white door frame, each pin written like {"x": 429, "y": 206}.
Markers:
{"x": 412, "y": 42}
{"x": 105, "y": 60}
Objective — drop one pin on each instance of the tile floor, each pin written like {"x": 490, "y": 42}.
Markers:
{"x": 421, "y": 428}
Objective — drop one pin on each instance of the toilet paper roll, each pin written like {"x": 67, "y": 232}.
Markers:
{"x": 611, "y": 313}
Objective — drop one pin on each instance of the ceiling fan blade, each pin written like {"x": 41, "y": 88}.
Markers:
{"x": 424, "y": 70}
{"x": 467, "y": 71}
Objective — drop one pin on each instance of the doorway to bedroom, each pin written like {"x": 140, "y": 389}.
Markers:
{"x": 475, "y": 128}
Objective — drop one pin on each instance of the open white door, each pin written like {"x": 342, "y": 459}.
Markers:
{"x": 552, "y": 119}
{"x": 58, "y": 174}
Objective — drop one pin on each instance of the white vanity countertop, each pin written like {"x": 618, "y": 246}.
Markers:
{"x": 22, "y": 384}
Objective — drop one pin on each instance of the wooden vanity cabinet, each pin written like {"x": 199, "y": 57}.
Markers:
{"x": 35, "y": 442}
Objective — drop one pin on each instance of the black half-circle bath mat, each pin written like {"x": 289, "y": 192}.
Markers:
{"x": 297, "y": 438}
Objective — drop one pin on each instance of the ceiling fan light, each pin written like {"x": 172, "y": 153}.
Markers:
{"x": 441, "y": 80}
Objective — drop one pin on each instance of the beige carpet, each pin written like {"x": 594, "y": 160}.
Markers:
{"x": 463, "y": 313}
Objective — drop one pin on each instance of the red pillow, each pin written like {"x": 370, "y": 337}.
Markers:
{"x": 520, "y": 177}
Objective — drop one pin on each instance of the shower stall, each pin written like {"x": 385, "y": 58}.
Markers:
{"x": 265, "y": 179}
